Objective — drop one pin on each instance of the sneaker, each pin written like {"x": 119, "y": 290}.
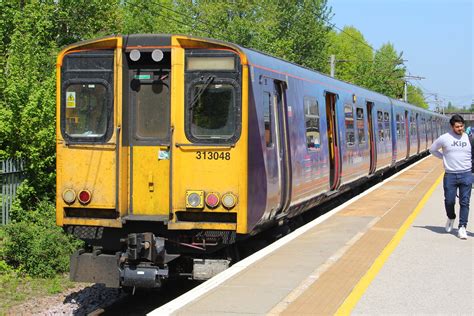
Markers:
{"x": 462, "y": 232}
{"x": 449, "y": 225}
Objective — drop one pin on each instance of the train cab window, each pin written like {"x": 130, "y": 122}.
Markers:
{"x": 267, "y": 118}
{"x": 86, "y": 110}
{"x": 213, "y": 96}
{"x": 212, "y": 110}
{"x": 360, "y": 125}
{"x": 87, "y": 90}
{"x": 311, "y": 113}
{"x": 349, "y": 124}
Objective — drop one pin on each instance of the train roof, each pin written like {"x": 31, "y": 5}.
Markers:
{"x": 280, "y": 65}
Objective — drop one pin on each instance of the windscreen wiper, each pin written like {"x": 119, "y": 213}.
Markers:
{"x": 201, "y": 91}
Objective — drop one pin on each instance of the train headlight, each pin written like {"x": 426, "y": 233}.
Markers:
{"x": 85, "y": 196}
{"x": 212, "y": 199}
{"x": 157, "y": 55}
{"x": 229, "y": 200}
{"x": 135, "y": 54}
{"x": 69, "y": 196}
{"x": 194, "y": 199}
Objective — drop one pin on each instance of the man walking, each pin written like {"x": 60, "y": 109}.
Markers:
{"x": 456, "y": 155}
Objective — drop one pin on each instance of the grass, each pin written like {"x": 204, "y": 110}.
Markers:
{"x": 16, "y": 289}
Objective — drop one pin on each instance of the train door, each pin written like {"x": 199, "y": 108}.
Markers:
{"x": 407, "y": 133}
{"x": 418, "y": 138}
{"x": 149, "y": 120}
{"x": 333, "y": 143}
{"x": 372, "y": 146}
{"x": 277, "y": 145}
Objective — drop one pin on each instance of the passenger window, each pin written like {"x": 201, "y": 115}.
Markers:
{"x": 400, "y": 127}
{"x": 380, "y": 127}
{"x": 267, "y": 118}
{"x": 386, "y": 118}
{"x": 311, "y": 113}
{"x": 349, "y": 124}
{"x": 360, "y": 125}
{"x": 412, "y": 126}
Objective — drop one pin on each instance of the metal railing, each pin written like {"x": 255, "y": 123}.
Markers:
{"x": 11, "y": 175}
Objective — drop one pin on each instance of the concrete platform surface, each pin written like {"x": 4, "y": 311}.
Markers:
{"x": 430, "y": 272}
{"x": 319, "y": 268}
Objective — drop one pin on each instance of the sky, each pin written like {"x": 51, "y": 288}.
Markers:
{"x": 435, "y": 36}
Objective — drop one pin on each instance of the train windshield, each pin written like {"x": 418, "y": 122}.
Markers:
{"x": 213, "y": 96}
{"x": 212, "y": 110}
{"x": 86, "y": 110}
{"x": 87, "y": 96}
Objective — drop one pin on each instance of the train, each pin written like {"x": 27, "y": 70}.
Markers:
{"x": 172, "y": 148}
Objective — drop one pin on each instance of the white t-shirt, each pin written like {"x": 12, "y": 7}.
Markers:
{"x": 456, "y": 152}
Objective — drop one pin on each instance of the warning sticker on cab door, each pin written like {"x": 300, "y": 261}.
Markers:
{"x": 70, "y": 100}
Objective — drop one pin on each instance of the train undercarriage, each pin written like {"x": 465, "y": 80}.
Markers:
{"x": 146, "y": 260}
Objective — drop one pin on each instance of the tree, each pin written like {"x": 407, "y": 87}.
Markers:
{"x": 33, "y": 35}
{"x": 353, "y": 54}
{"x": 388, "y": 72}
{"x": 279, "y": 26}
{"x": 415, "y": 97}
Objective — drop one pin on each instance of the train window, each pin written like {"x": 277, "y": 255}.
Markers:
{"x": 380, "y": 127}
{"x": 400, "y": 127}
{"x": 152, "y": 111}
{"x": 87, "y": 96}
{"x": 86, "y": 110}
{"x": 311, "y": 112}
{"x": 379, "y": 116}
{"x": 267, "y": 117}
{"x": 349, "y": 124}
{"x": 412, "y": 126}
{"x": 387, "y": 125}
{"x": 212, "y": 105}
{"x": 360, "y": 125}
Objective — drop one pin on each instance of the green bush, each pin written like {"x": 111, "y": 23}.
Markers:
{"x": 32, "y": 242}
{"x": 37, "y": 250}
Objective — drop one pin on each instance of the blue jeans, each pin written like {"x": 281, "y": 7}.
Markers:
{"x": 451, "y": 183}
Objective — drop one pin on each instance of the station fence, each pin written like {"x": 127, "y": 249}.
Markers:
{"x": 11, "y": 176}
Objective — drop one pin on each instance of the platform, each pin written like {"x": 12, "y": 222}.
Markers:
{"x": 383, "y": 252}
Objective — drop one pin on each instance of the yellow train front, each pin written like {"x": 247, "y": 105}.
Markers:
{"x": 151, "y": 156}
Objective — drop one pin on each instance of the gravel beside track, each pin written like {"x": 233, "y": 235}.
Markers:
{"x": 80, "y": 300}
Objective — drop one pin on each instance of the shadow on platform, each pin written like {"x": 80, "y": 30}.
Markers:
{"x": 441, "y": 230}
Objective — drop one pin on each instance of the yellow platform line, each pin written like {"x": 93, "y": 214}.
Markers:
{"x": 360, "y": 288}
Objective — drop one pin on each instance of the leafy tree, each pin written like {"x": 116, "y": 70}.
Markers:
{"x": 154, "y": 16}
{"x": 388, "y": 72}
{"x": 415, "y": 97}
{"x": 279, "y": 26}
{"x": 353, "y": 56}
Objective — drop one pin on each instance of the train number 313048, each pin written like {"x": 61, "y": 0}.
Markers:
{"x": 212, "y": 155}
